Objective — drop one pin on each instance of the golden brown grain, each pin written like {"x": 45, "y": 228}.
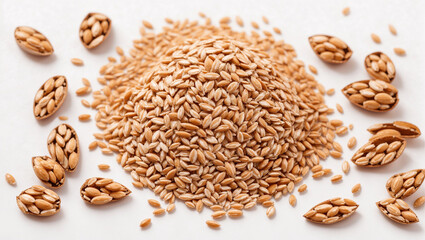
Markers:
{"x": 345, "y": 167}
{"x": 356, "y": 188}
{"x": 158, "y": 212}
{"x": 171, "y": 207}
{"x": 239, "y": 21}
{"x": 302, "y": 188}
{"x": 351, "y": 126}
{"x": 352, "y": 142}
{"x": 271, "y": 211}
{"x": 77, "y": 62}
{"x": 419, "y": 202}
{"x": 392, "y": 29}
{"x": 336, "y": 178}
{"x": 10, "y": 179}
{"x": 255, "y": 25}
{"x": 145, "y": 222}
{"x": 147, "y": 24}
{"x": 313, "y": 69}
{"x": 265, "y": 19}
{"x": 154, "y": 203}
{"x": 399, "y": 51}
{"x": 277, "y": 30}
{"x": 375, "y": 38}
{"x": 84, "y": 117}
{"x": 202, "y": 15}
{"x": 330, "y": 91}
{"x": 83, "y": 91}
{"x": 346, "y": 11}
{"x": 292, "y": 200}
{"x": 103, "y": 167}
{"x": 212, "y": 224}
{"x": 339, "y": 108}
{"x": 92, "y": 145}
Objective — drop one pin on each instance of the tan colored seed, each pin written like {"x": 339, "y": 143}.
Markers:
{"x": 103, "y": 167}
{"x": 375, "y": 38}
{"x": 145, "y": 222}
{"x": 77, "y": 62}
{"x": 212, "y": 224}
{"x": 313, "y": 69}
{"x": 158, "y": 212}
{"x": 345, "y": 167}
{"x": 84, "y": 117}
{"x": 419, "y": 202}
{"x": 341, "y": 130}
{"x": 82, "y": 91}
{"x": 339, "y": 108}
{"x": 346, "y": 11}
{"x": 154, "y": 203}
{"x": 265, "y": 19}
{"x": 271, "y": 211}
{"x": 356, "y": 188}
{"x": 302, "y": 188}
{"x": 392, "y": 29}
{"x": 147, "y": 24}
{"x": 63, "y": 118}
{"x": 171, "y": 207}
{"x": 292, "y": 200}
{"x": 352, "y": 142}
{"x": 239, "y": 21}
{"x": 92, "y": 145}
{"x": 202, "y": 15}
{"x": 10, "y": 179}
{"x": 336, "y": 178}
{"x": 255, "y": 25}
{"x": 85, "y": 103}
{"x": 399, "y": 51}
{"x": 330, "y": 92}
{"x": 86, "y": 82}
{"x": 234, "y": 213}
{"x": 277, "y": 30}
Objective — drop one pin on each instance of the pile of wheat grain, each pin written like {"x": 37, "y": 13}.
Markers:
{"x": 212, "y": 116}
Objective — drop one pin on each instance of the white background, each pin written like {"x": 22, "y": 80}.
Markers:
{"x": 21, "y": 136}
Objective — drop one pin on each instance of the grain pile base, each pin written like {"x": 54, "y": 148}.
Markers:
{"x": 213, "y": 116}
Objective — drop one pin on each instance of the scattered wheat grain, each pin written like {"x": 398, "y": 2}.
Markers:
{"x": 77, "y": 62}
{"x": 346, "y": 11}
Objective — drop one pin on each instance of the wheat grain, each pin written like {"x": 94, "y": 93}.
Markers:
{"x": 346, "y": 11}
{"x": 77, "y": 62}
{"x": 375, "y": 38}
{"x": 419, "y": 202}
{"x": 345, "y": 167}
{"x": 103, "y": 167}
{"x": 63, "y": 118}
{"x": 399, "y": 51}
{"x": 10, "y": 179}
{"x": 356, "y": 188}
{"x": 145, "y": 223}
{"x": 212, "y": 224}
{"x": 392, "y": 29}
